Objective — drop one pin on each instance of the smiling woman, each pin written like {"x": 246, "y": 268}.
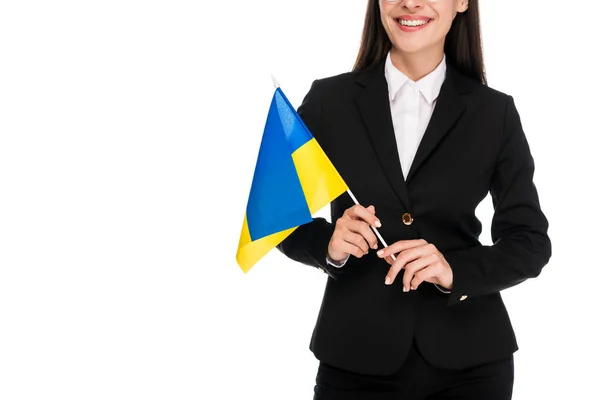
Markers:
{"x": 421, "y": 139}
{"x": 452, "y": 26}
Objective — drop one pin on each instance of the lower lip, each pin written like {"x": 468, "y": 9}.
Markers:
{"x": 405, "y": 28}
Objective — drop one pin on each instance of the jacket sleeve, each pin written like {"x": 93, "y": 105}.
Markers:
{"x": 519, "y": 228}
{"x": 309, "y": 242}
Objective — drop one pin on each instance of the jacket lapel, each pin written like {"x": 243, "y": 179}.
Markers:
{"x": 373, "y": 104}
{"x": 448, "y": 109}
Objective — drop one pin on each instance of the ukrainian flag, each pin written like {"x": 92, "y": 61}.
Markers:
{"x": 292, "y": 180}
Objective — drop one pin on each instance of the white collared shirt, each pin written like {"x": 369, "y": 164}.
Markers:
{"x": 411, "y": 106}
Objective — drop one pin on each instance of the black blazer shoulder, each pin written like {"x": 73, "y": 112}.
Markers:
{"x": 344, "y": 86}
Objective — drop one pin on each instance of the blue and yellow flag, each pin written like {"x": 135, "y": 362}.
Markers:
{"x": 292, "y": 180}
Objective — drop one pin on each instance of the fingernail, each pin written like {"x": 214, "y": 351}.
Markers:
{"x": 375, "y": 246}
{"x": 380, "y": 253}
{"x": 404, "y": 289}
{"x": 377, "y": 224}
{"x": 388, "y": 280}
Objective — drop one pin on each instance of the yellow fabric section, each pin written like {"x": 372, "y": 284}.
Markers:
{"x": 250, "y": 252}
{"x": 320, "y": 180}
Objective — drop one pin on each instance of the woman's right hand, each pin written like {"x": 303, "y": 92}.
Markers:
{"x": 352, "y": 234}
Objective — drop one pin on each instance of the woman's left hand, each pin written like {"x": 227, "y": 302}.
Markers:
{"x": 422, "y": 262}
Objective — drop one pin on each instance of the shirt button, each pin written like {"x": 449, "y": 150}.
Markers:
{"x": 407, "y": 219}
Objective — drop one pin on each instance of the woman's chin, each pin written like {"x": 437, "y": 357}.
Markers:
{"x": 405, "y": 45}
{"x": 411, "y": 48}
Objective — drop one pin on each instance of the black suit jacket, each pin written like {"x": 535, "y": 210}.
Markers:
{"x": 473, "y": 145}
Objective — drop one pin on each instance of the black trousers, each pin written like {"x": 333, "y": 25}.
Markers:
{"x": 418, "y": 380}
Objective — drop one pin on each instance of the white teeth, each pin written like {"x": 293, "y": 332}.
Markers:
{"x": 412, "y": 22}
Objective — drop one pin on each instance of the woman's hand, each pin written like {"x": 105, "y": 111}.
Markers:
{"x": 352, "y": 234}
{"x": 422, "y": 262}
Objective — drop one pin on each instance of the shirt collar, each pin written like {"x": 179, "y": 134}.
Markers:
{"x": 429, "y": 86}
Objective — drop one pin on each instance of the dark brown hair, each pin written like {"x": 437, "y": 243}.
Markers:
{"x": 462, "y": 46}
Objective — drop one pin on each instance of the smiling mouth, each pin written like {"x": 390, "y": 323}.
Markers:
{"x": 412, "y": 22}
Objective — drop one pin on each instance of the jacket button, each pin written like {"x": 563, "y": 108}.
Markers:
{"x": 463, "y": 297}
{"x": 407, "y": 219}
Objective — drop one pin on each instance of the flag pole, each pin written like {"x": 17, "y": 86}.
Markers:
{"x": 276, "y": 84}
{"x": 372, "y": 227}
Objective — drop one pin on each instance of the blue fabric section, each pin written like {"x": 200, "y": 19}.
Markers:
{"x": 295, "y": 131}
{"x": 276, "y": 201}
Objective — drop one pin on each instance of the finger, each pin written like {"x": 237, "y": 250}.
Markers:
{"x": 415, "y": 266}
{"x": 371, "y": 209}
{"x": 399, "y": 246}
{"x": 357, "y": 240}
{"x": 349, "y": 230}
{"x": 365, "y": 231}
{"x": 342, "y": 246}
{"x": 389, "y": 260}
{"x": 359, "y": 212}
{"x": 403, "y": 258}
{"x": 426, "y": 274}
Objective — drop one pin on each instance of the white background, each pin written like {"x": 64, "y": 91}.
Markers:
{"x": 128, "y": 136}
